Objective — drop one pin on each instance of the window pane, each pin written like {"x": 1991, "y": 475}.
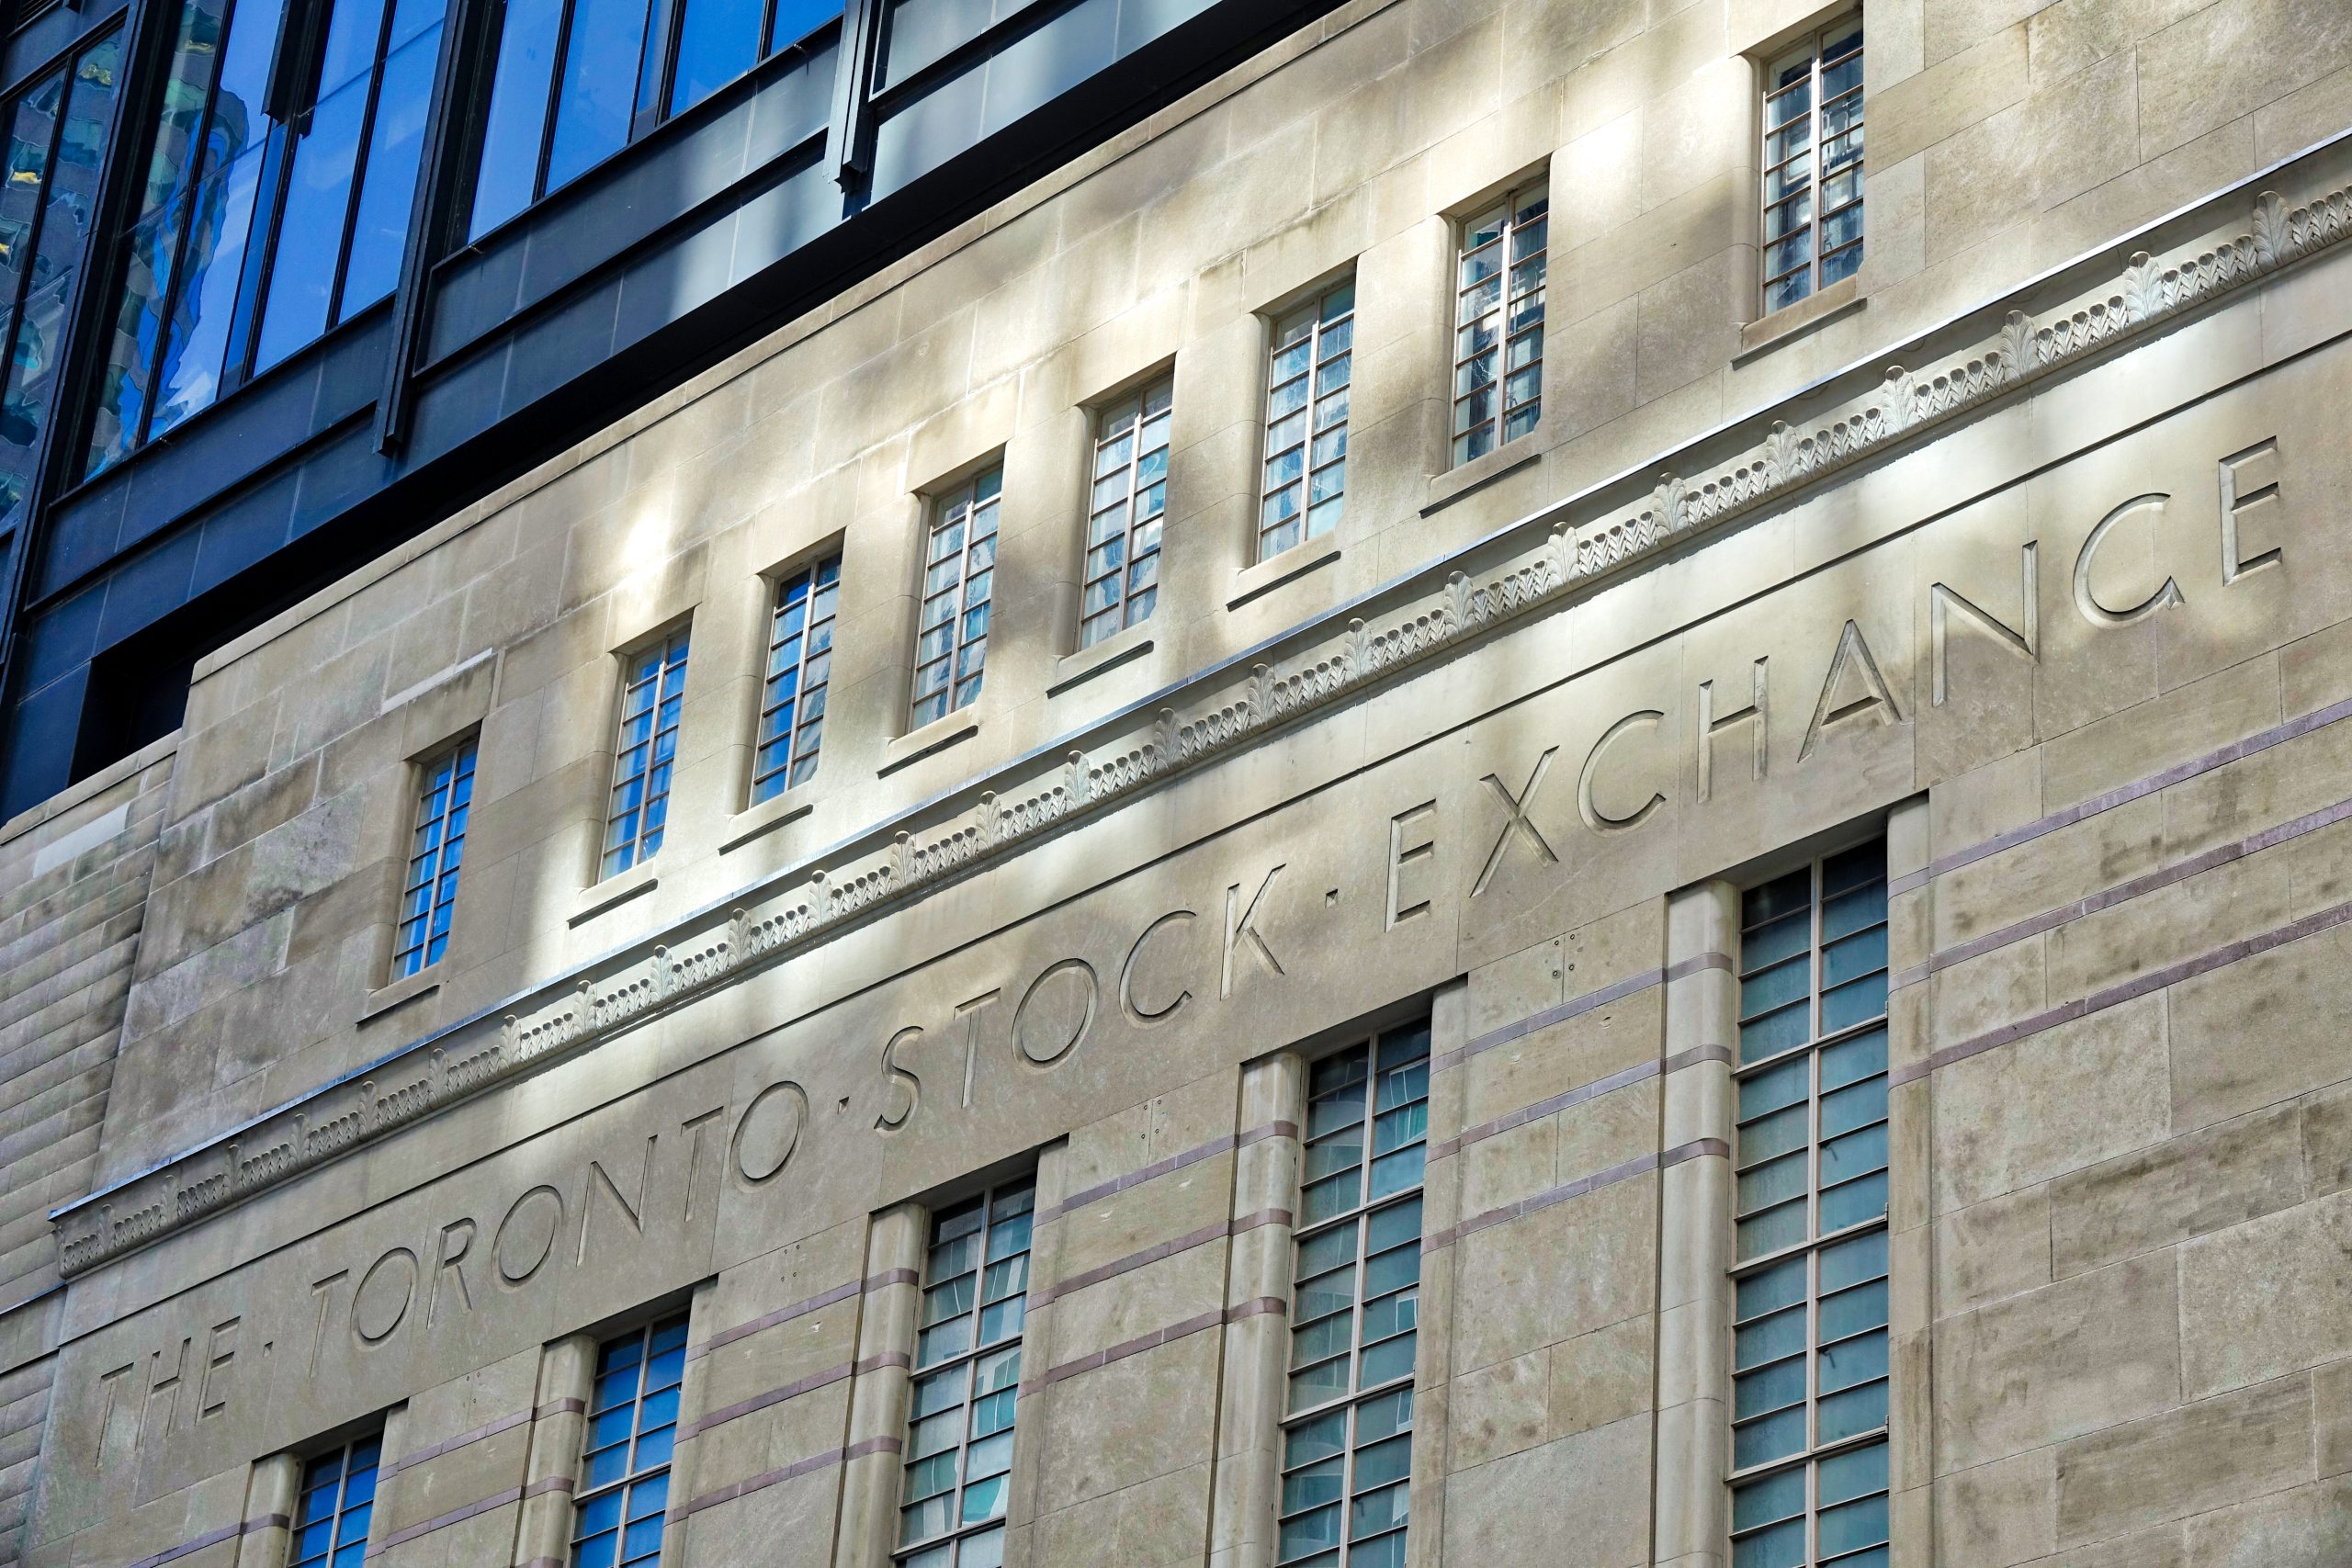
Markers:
{"x": 717, "y": 40}
{"x": 518, "y": 102}
{"x": 596, "y": 99}
{"x": 379, "y": 231}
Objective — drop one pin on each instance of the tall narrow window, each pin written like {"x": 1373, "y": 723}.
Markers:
{"x": 1809, "y": 1408}
{"x": 254, "y": 236}
{"x": 1348, "y": 1438}
{"x": 958, "y": 575}
{"x": 1499, "y": 324}
{"x": 437, "y": 850}
{"x": 967, "y": 1379}
{"x": 577, "y": 80}
{"x": 57, "y": 133}
{"x": 632, "y": 1426}
{"x": 1306, "y": 421}
{"x": 1812, "y": 163}
{"x": 800, "y": 677}
{"x": 654, "y": 696}
{"x": 337, "y": 1505}
{"x": 1123, "y": 514}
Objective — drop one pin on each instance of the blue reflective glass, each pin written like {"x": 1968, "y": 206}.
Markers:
{"x": 717, "y": 40}
{"x": 518, "y": 106}
{"x": 309, "y": 234}
{"x": 597, "y": 100}
{"x": 796, "y": 19}
{"x": 379, "y": 228}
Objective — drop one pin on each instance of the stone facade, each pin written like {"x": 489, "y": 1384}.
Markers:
{"x": 2018, "y": 553}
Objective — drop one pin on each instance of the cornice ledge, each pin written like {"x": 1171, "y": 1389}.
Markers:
{"x": 1558, "y": 560}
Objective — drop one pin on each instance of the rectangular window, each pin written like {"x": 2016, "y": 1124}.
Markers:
{"x": 799, "y": 678}
{"x": 1306, "y": 421}
{"x": 1499, "y": 324}
{"x": 967, "y": 1382}
{"x": 1809, "y": 1384}
{"x": 625, "y": 1469}
{"x": 1348, "y": 1438}
{"x": 256, "y": 235}
{"x": 578, "y": 79}
{"x": 1124, "y": 511}
{"x": 1812, "y": 163}
{"x": 57, "y": 135}
{"x": 654, "y": 696}
{"x": 337, "y": 1504}
{"x": 437, "y": 852}
{"x": 958, "y": 575}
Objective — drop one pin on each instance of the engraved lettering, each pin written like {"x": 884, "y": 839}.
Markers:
{"x": 1516, "y": 824}
{"x": 1756, "y": 715}
{"x": 2087, "y": 602}
{"x": 2249, "y": 493}
{"x": 106, "y": 1411}
{"x": 693, "y": 1126}
{"x": 216, "y": 1356}
{"x": 376, "y": 1312}
{"x": 445, "y": 1261}
{"x": 768, "y": 1133}
{"x": 533, "y": 1242}
{"x": 2024, "y": 641}
{"x": 971, "y": 1013}
{"x": 901, "y": 1078}
{"x": 1239, "y": 922}
{"x": 1136, "y": 1012}
{"x": 632, "y": 1209}
{"x": 1589, "y": 808}
{"x": 1853, "y": 657}
{"x": 1054, "y": 1036}
{"x": 155, "y": 1386}
{"x": 1408, "y": 846}
{"x": 323, "y": 1289}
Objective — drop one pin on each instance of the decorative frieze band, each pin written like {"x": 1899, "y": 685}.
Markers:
{"x": 1561, "y": 559}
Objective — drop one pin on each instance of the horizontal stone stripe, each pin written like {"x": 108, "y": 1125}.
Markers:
{"x": 2124, "y": 892}
{"x": 1640, "y": 1165}
{"x": 188, "y": 1548}
{"x": 814, "y": 1462}
{"x": 565, "y": 1407}
{"x": 1261, "y": 1218}
{"x": 1120, "y": 1352}
{"x": 726, "y": 1336}
{"x": 1570, "y": 1098}
{"x": 507, "y": 1498}
{"x": 2128, "y": 991}
{"x": 1156, "y": 1253}
{"x": 759, "y": 1401}
{"x": 1617, "y": 990}
{"x": 267, "y": 1522}
{"x": 2123, "y": 795}
{"x": 1158, "y": 1168}
{"x": 450, "y": 1444}
{"x": 881, "y": 1358}
{"x": 1257, "y": 1307}
{"x": 547, "y": 1483}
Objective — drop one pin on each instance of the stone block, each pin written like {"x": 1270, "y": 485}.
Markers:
{"x": 2310, "y": 1527}
{"x": 2053, "y": 1102}
{"x": 1508, "y": 1513}
{"x": 2197, "y": 1183}
{"x": 2267, "y": 1298}
{"x": 1555, "y": 1273}
{"x": 1990, "y": 1250}
{"x": 1998, "y": 1514}
{"x": 1601, "y": 1377}
{"x": 2184, "y": 1461}
{"x": 1499, "y": 1409}
{"x": 2071, "y": 1358}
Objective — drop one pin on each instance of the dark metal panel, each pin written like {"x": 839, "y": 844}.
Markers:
{"x": 36, "y": 753}
{"x": 559, "y": 347}
{"x": 147, "y": 586}
{"x": 56, "y": 32}
{"x": 243, "y": 534}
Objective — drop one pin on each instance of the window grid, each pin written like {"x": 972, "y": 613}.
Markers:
{"x": 624, "y": 1494}
{"x": 799, "y": 678}
{"x": 652, "y": 696}
{"x": 338, "y": 1503}
{"x": 1499, "y": 324}
{"x": 1307, "y": 423}
{"x": 1813, "y": 164}
{"x": 1346, "y": 1441}
{"x": 1130, "y": 476}
{"x": 436, "y": 854}
{"x": 967, "y": 1382}
{"x": 1809, "y": 1407}
{"x": 958, "y": 578}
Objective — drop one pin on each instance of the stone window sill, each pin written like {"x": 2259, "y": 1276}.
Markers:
{"x": 757, "y": 821}
{"x": 1251, "y": 582}
{"x": 614, "y": 890}
{"x": 1075, "y": 668}
{"x": 1841, "y": 298}
{"x": 399, "y": 992}
{"x": 937, "y": 736}
{"x": 1476, "y": 475}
